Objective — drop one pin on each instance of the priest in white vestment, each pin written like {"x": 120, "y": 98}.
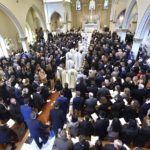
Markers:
{"x": 78, "y": 60}
{"x": 58, "y": 72}
{"x": 64, "y": 75}
{"x": 73, "y": 51}
{"x": 72, "y": 77}
{"x": 69, "y": 55}
{"x": 69, "y": 64}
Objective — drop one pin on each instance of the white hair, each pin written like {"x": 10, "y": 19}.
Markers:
{"x": 90, "y": 95}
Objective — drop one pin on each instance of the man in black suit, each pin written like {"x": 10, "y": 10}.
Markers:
{"x": 86, "y": 127}
{"x": 62, "y": 142}
{"x": 144, "y": 108}
{"x": 37, "y": 100}
{"x": 4, "y": 113}
{"x": 93, "y": 88}
{"x": 144, "y": 134}
{"x": 78, "y": 103}
{"x": 82, "y": 144}
{"x": 103, "y": 91}
{"x": 100, "y": 126}
{"x": 15, "y": 111}
{"x": 8, "y": 136}
{"x": 57, "y": 118}
{"x": 37, "y": 130}
{"x": 90, "y": 104}
{"x": 67, "y": 92}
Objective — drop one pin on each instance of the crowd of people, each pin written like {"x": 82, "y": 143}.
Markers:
{"x": 112, "y": 100}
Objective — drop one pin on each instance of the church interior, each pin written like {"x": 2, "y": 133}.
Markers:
{"x": 74, "y": 74}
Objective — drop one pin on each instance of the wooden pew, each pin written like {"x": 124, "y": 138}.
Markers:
{"x": 43, "y": 117}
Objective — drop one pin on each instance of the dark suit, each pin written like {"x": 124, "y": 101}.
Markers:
{"x": 82, "y": 146}
{"x": 138, "y": 94}
{"x": 37, "y": 101}
{"x": 67, "y": 93}
{"x": 78, "y": 103}
{"x": 7, "y": 135}
{"x": 64, "y": 105}
{"x": 4, "y": 114}
{"x": 37, "y": 130}
{"x": 15, "y": 112}
{"x": 57, "y": 119}
{"x": 103, "y": 92}
{"x": 143, "y": 136}
{"x": 63, "y": 144}
{"x": 86, "y": 128}
{"x": 129, "y": 113}
{"x": 143, "y": 110}
{"x": 100, "y": 128}
{"x": 45, "y": 93}
{"x": 128, "y": 135}
{"x": 90, "y": 105}
{"x": 93, "y": 89}
{"x": 26, "y": 111}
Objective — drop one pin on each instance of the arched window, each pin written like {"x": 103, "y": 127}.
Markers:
{"x": 106, "y": 4}
{"x": 78, "y": 5}
{"x": 92, "y": 5}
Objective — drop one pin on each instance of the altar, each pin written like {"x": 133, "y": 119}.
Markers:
{"x": 90, "y": 27}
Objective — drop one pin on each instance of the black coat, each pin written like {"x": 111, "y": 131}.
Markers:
{"x": 37, "y": 101}
{"x": 7, "y": 135}
{"x": 129, "y": 113}
{"x": 90, "y": 105}
{"x": 15, "y": 112}
{"x": 67, "y": 93}
{"x": 86, "y": 128}
{"x": 57, "y": 118}
{"x": 100, "y": 127}
{"x": 128, "y": 135}
{"x": 4, "y": 114}
{"x": 78, "y": 103}
{"x": 82, "y": 146}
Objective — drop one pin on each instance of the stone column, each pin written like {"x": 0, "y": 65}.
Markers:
{"x": 46, "y": 18}
{"x": 136, "y": 45}
{"x": 24, "y": 43}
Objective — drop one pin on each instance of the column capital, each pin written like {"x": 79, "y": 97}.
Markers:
{"x": 23, "y": 39}
{"x": 138, "y": 40}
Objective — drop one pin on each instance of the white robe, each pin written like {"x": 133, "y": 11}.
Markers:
{"x": 64, "y": 75}
{"x": 72, "y": 76}
{"x": 78, "y": 60}
{"x": 69, "y": 64}
{"x": 58, "y": 73}
{"x": 73, "y": 51}
{"x": 68, "y": 56}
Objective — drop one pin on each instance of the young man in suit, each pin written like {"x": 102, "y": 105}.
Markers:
{"x": 37, "y": 130}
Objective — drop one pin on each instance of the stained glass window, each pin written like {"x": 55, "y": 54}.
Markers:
{"x": 106, "y": 4}
{"x": 78, "y": 5}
